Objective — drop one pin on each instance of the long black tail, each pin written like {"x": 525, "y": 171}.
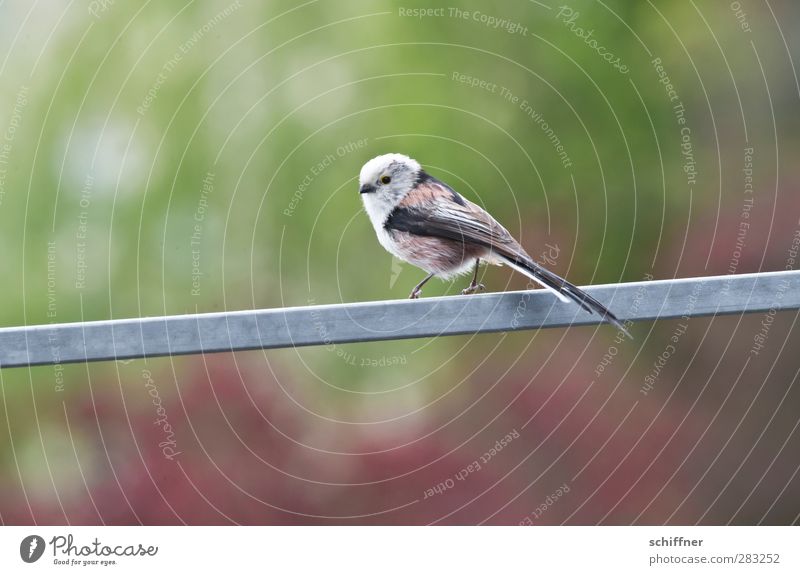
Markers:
{"x": 563, "y": 289}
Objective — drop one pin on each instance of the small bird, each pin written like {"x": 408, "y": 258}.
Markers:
{"x": 425, "y": 222}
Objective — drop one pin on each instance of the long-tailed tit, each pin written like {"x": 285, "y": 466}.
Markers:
{"x": 425, "y": 222}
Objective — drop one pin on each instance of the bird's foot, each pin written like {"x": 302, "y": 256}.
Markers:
{"x": 473, "y": 288}
{"x": 415, "y": 294}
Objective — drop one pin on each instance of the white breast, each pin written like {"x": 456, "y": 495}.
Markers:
{"x": 378, "y": 209}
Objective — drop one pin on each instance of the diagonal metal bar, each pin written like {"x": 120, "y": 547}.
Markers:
{"x": 387, "y": 320}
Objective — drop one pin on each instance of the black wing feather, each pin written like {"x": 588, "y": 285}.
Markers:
{"x": 462, "y": 221}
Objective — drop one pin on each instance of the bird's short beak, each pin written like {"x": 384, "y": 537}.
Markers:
{"x": 366, "y": 189}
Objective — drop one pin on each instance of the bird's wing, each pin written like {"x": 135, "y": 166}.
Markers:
{"x": 434, "y": 209}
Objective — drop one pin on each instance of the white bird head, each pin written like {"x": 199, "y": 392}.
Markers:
{"x": 384, "y": 181}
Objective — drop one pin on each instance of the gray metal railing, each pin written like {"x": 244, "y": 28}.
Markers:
{"x": 387, "y": 320}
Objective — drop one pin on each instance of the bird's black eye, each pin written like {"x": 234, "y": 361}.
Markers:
{"x": 385, "y": 179}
